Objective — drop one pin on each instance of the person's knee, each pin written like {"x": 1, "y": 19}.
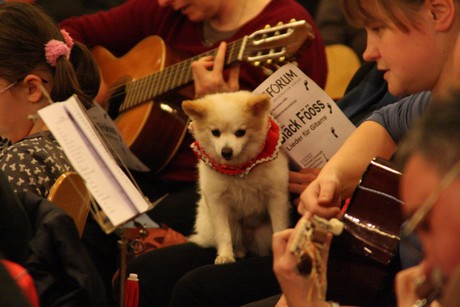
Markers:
{"x": 185, "y": 291}
{"x": 196, "y": 289}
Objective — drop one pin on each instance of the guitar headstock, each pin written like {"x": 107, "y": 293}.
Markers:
{"x": 308, "y": 233}
{"x": 276, "y": 43}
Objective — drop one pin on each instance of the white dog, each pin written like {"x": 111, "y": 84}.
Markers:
{"x": 243, "y": 175}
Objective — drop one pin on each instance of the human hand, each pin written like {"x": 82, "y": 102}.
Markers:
{"x": 322, "y": 197}
{"x": 299, "y": 289}
{"x": 282, "y": 302}
{"x": 298, "y": 181}
{"x": 405, "y": 283}
{"x": 412, "y": 287}
{"x": 208, "y": 74}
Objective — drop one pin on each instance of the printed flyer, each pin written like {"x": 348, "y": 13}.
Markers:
{"x": 312, "y": 126}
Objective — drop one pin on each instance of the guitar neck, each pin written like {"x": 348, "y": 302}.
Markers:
{"x": 172, "y": 77}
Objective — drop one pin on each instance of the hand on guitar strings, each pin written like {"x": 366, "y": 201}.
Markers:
{"x": 322, "y": 197}
{"x": 300, "y": 262}
{"x": 208, "y": 74}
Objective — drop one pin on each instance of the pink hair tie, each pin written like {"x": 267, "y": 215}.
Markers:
{"x": 56, "y": 48}
{"x": 67, "y": 39}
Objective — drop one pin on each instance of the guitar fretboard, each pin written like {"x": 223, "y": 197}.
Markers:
{"x": 173, "y": 76}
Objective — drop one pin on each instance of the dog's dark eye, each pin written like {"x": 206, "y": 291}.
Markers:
{"x": 215, "y": 132}
{"x": 239, "y": 133}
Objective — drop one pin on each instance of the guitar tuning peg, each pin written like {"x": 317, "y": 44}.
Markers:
{"x": 256, "y": 63}
{"x": 274, "y": 66}
{"x": 282, "y": 59}
{"x": 267, "y": 27}
{"x": 292, "y": 20}
{"x": 269, "y": 61}
{"x": 267, "y": 71}
{"x": 280, "y": 23}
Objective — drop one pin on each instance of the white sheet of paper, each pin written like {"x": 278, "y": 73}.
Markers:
{"x": 312, "y": 126}
{"x": 109, "y": 185}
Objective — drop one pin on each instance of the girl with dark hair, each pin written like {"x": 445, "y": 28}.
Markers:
{"x": 34, "y": 53}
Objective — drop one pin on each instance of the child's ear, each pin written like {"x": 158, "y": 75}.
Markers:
{"x": 194, "y": 108}
{"x": 34, "y": 92}
{"x": 444, "y": 14}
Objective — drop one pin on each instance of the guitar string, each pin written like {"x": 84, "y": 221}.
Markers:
{"x": 137, "y": 87}
{"x": 164, "y": 77}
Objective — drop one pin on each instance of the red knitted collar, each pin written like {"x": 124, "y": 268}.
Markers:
{"x": 268, "y": 153}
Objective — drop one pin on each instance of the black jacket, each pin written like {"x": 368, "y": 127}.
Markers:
{"x": 62, "y": 270}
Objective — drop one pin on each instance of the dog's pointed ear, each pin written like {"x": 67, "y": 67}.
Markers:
{"x": 194, "y": 108}
{"x": 259, "y": 104}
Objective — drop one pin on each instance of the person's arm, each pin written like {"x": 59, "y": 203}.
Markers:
{"x": 119, "y": 28}
{"x": 339, "y": 177}
{"x": 378, "y": 136}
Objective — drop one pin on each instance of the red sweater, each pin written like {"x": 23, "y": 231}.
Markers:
{"x": 122, "y": 27}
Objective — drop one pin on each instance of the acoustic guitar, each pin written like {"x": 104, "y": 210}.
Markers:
{"x": 363, "y": 259}
{"x": 154, "y": 130}
{"x": 374, "y": 217}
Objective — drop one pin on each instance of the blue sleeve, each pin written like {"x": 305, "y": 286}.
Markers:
{"x": 398, "y": 118}
{"x": 366, "y": 93}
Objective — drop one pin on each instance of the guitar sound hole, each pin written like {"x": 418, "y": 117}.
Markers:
{"x": 115, "y": 101}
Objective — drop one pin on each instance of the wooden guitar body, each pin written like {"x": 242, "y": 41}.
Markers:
{"x": 153, "y": 130}
{"x": 364, "y": 259}
{"x": 374, "y": 216}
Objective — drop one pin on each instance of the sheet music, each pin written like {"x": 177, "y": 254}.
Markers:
{"x": 312, "y": 126}
{"x": 109, "y": 185}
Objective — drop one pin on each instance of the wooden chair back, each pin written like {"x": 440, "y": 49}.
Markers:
{"x": 69, "y": 193}
{"x": 343, "y": 62}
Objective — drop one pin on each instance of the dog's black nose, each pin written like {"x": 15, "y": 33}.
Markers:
{"x": 227, "y": 153}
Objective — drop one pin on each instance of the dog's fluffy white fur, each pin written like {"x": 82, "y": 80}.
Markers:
{"x": 237, "y": 214}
